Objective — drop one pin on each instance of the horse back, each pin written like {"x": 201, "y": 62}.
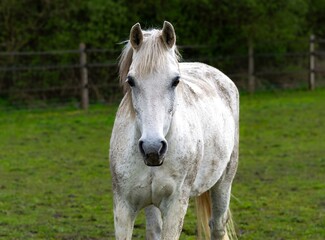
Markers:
{"x": 203, "y": 81}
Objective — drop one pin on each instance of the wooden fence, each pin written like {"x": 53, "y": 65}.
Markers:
{"x": 251, "y": 74}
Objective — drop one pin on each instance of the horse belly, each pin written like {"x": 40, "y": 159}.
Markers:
{"x": 219, "y": 140}
{"x": 208, "y": 176}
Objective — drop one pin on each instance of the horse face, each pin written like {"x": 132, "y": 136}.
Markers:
{"x": 154, "y": 101}
{"x": 153, "y": 79}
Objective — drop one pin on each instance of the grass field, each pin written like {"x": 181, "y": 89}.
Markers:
{"x": 55, "y": 180}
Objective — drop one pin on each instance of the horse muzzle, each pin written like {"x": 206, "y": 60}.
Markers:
{"x": 153, "y": 160}
{"x": 153, "y": 151}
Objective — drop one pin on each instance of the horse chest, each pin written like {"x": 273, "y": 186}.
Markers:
{"x": 151, "y": 186}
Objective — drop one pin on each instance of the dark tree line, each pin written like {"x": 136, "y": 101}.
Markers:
{"x": 46, "y": 24}
{"x": 225, "y": 26}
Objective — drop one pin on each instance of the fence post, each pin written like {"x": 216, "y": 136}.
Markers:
{"x": 84, "y": 77}
{"x": 251, "y": 77}
{"x": 311, "y": 83}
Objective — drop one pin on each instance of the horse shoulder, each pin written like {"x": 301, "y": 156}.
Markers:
{"x": 203, "y": 81}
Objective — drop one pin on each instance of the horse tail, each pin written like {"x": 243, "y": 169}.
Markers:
{"x": 231, "y": 231}
{"x": 204, "y": 213}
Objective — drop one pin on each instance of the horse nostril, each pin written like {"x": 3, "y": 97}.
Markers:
{"x": 163, "y": 148}
{"x": 141, "y": 148}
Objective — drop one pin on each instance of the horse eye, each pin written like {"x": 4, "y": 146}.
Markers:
{"x": 175, "y": 81}
{"x": 130, "y": 81}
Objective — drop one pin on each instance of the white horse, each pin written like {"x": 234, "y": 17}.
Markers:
{"x": 175, "y": 136}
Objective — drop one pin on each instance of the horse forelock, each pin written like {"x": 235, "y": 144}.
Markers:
{"x": 151, "y": 56}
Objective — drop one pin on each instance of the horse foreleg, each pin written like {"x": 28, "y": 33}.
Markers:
{"x": 173, "y": 213}
{"x": 220, "y": 196}
{"x": 124, "y": 218}
{"x": 154, "y": 223}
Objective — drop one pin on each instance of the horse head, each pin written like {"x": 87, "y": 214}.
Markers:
{"x": 152, "y": 79}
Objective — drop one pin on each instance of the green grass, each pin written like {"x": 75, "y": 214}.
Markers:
{"x": 280, "y": 183}
{"x": 55, "y": 180}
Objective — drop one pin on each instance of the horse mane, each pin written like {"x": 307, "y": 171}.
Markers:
{"x": 124, "y": 64}
{"x": 152, "y": 54}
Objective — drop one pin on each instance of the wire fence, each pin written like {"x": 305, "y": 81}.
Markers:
{"x": 81, "y": 76}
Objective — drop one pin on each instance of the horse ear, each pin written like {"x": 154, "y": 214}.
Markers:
{"x": 136, "y": 36}
{"x": 168, "y": 34}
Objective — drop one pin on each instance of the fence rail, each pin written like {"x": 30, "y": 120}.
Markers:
{"x": 85, "y": 66}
